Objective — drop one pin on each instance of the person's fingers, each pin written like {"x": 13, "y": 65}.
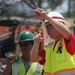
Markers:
{"x": 13, "y": 60}
{"x": 39, "y": 9}
{"x": 38, "y": 38}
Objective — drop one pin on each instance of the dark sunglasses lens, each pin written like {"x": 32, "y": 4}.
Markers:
{"x": 49, "y": 26}
{"x": 27, "y": 43}
{"x": 24, "y": 44}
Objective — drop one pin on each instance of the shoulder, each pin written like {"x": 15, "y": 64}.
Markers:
{"x": 71, "y": 40}
{"x": 70, "y": 45}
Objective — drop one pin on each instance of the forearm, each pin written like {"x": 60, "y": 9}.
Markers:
{"x": 7, "y": 70}
{"x": 61, "y": 28}
{"x": 34, "y": 53}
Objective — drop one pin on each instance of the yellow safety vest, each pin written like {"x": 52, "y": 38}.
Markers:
{"x": 59, "y": 63}
{"x": 35, "y": 68}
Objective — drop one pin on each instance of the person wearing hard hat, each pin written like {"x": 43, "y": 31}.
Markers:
{"x": 21, "y": 65}
{"x": 59, "y": 58}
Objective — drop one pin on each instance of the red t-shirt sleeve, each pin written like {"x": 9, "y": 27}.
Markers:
{"x": 70, "y": 46}
{"x": 42, "y": 54}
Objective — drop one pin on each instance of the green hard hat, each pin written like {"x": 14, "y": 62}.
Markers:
{"x": 25, "y": 36}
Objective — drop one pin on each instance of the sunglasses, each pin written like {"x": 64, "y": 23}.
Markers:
{"x": 24, "y": 44}
{"x": 48, "y": 26}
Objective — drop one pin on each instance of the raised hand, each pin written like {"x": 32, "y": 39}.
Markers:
{"x": 10, "y": 58}
{"x": 42, "y": 13}
{"x": 38, "y": 38}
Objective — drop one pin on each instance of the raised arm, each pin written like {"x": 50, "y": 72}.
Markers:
{"x": 57, "y": 25}
{"x": 10, "y": 60}
{"x": 34, "y": 56}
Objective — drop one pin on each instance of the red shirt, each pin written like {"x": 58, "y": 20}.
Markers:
{"x": 70, "y": 47}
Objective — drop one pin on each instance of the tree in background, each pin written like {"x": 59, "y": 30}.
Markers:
{"x": 18, "y": 7}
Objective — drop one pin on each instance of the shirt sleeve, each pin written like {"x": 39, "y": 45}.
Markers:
{"x": 42, "y": 54}
{"x": 70, "y": 46}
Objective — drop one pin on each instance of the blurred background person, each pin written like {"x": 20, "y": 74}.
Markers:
{"x": 21, "y": 65}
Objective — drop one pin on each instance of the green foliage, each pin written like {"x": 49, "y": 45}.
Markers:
{"x": 12, "y": 0}
{"x": 2, "y": 4}
{"x": 54, "y": 3}
{"x": 1, "y": 17}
